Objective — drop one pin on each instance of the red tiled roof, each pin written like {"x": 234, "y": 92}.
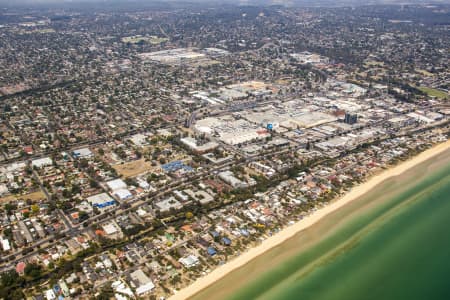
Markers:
{"x": 99, "y": 232}
{"x": 28, "y": 149}
{"x": 186, "y": 227}
{"x": 20, "y": 268}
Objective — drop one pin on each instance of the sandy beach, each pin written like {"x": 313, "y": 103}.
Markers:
{"x": 313, "y": 218}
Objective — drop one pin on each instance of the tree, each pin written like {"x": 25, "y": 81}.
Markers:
{"x": 131, "y": 181}
{"x": 10, "y": 207}
{"x": 84, "y": 163}
{"x": 76, "y": 189}
{"x": 106, "y": 293}
{"x": 82, "y": 215}
{"x": 7, "y": 233}
{"x": 33, "y": 270}
{"x": 7, "y": 108}
{"x": 10, "y": 284}
{"x": 93, "y": 183}
{"x": 66, "y": 193}
{"x": 10, "y": 278}
{"x": 35, "y": 208}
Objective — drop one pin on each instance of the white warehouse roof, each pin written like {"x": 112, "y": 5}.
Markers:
{"x": 116, "y": 184}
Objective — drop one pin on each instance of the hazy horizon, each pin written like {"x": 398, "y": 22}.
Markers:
{"x": 9, "y": 3}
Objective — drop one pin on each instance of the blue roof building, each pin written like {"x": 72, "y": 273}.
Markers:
{"x": 214, "y": 233}
{"x": 244, "y": 232}
{"x": 57, "y": 289}
{"x": 226, "y": 241}
{"x": 211, "y": 251}
{"x": 175, "y": 166}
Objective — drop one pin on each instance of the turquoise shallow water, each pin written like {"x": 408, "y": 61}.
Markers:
{"x": 400, "y": 249}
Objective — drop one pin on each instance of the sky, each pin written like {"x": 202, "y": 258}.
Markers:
{"x": 250, "y": 2}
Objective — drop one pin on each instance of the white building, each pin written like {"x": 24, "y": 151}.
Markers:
{"x": 3, "y": 189}
{"x": 41, "y": 162}
{"x": 121, "y": 289}
{"x": 193, "y": 145}
{"x": 189, "y": 261}
{"x": 141, "y": 282}
{"x": 82, "y": 153}
{"x": 123, "y": 194}
{"x": 5, "y": 245}
{"x": 167, "y": 204}
{"x": 112, "y": 230}
{"x": 143, "y": 184}
{"x": 139, "y": 139}
{"x": 102, "y": 201}
{"x": 116, "y": 184}
{"x": 50, "y": 295}
{"x": 229, "y": 178}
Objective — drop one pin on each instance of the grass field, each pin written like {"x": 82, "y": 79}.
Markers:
{"x": 373, "y": 63}
{"x": 154, "y": 40}
{"x": 35, "y": 196}
{"x": 434, "y": 92}
{"x": 424, "y": 72}
{"x": 133, "y": 168}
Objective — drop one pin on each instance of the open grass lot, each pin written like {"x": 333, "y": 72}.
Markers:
{"x": 425, "y": 72}
{"x": 434, "y": 92}
{"x": 133, "y": 168}
{"x": 374, "y": 63}
{"x": 154, "y": 40}
{"x": 35, "y": 196}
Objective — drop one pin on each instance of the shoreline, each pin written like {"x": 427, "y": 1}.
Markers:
{"x": 311, "y": 219}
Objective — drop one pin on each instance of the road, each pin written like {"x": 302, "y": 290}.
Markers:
{"x": 75, "y": 230}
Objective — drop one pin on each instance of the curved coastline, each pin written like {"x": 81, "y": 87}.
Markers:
{"x": 289, "y": 232}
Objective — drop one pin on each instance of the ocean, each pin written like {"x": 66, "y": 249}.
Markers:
{"x": 393, "y": 243}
